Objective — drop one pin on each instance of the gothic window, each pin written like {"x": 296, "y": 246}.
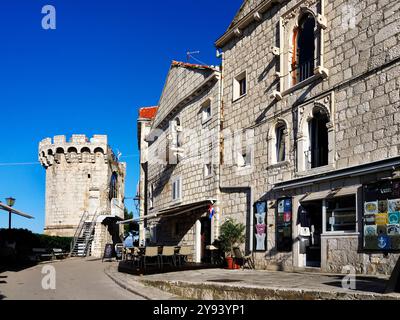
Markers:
{"x": 318, "y": 134}
{"x": 303, "y": 60}
{"x": 113, "y": 186}
{"x": 300, "y": 48}
{"x": 280, "y": 146}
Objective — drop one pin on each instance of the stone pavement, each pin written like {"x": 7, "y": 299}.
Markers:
{"x": 75, "y": 279}
{"x": 225, "y": 284}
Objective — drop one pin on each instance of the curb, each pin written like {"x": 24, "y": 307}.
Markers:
{"x": 124, "y": 285}
{"x": 203, "y": 291}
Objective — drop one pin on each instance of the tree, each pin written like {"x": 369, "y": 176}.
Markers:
{"x": 132, "y": 226}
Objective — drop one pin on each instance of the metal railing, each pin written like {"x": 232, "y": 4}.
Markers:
{"x": 301, "y": 72}
{"x": 78, "y": 231}
{"x": 89, "y": 234}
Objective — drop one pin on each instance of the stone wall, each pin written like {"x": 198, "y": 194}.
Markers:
{"x": 78, "y": 174}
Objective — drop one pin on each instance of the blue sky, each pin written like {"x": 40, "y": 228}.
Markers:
{"x": 105, "y": 59}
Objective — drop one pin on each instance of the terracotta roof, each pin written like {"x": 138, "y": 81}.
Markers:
{"x": 190, "y": 65}
{"x": 147, "y": 112}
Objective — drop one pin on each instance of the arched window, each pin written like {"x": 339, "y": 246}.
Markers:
{"x": 114, "y": 186}
{"x": 280, "y": 146}
{"x": 303, "y": 60}
{"x": 318, "y": 134}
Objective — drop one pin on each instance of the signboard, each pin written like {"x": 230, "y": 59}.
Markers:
{"x": 260, "y": 232}
{"x": 381, "y": 216}
{"x": 108, "y": 251}
{"x": 284, "y": 216}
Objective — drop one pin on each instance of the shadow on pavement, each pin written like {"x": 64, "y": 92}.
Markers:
{"x": 127, "y": 267}
{"x": 15, "y": 267}
{"x": 366, "y": 284}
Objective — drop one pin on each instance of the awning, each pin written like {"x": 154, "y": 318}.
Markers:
{"x": 172, "y": 211}
{"x": 347, "y": 191}
{"x": 10, "y": 209}
{"x": 102, "y": 217}
{"x": 340, "y": 192}
{"x": 348, "y": 172}
{"x": 316, "y": 195}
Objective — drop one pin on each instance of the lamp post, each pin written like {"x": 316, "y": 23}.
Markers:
{"x": 10, "y": 203}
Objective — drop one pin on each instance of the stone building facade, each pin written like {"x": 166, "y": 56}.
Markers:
{"x": 84, "y": 183}
{"x": 181, "y": 175}
{"x": 308, "y": 131}
{"x": 315, "y": 70}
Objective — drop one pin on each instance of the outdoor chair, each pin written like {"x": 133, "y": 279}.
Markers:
{"x": 243, "y": 260}
{"x": 167, "y": 256}
{"x": 151, "y": 257}
{"x": 132, "y": 255}
{"x": 183, "y": 254}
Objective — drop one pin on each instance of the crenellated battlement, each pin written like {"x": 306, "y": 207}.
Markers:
{"x": 77, "y": 149}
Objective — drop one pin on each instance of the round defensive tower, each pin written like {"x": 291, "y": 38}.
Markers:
{"x": 83, "y": 179}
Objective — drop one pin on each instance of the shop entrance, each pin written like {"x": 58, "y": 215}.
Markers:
{"x": 313, "y": 221}
{"x": 205, "y": 238}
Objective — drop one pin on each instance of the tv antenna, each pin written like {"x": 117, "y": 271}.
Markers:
{"x": 189, "y": 55}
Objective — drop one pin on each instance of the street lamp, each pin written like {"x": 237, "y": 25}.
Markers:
{"x": 10, "y": 203}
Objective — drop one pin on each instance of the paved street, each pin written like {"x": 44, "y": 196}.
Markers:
{"x": 76, "y": 279}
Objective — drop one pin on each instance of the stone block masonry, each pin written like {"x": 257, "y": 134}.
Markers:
{"x": 83, "y": 177}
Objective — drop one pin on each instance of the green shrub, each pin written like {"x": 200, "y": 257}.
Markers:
{"x": 232, "y": 234}
{"x": 26, "y": 240}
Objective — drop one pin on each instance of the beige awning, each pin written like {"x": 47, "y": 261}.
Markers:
{"x": 172, "y": 211}
{"x": 347, "y": 191}
{"x": 316, "y": 195}
{"x": 10, "y": 209}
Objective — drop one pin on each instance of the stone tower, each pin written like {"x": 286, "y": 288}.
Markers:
{"x": 83, "y": 177}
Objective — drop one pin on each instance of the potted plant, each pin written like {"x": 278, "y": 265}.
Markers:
{"x": 232, "y": 234}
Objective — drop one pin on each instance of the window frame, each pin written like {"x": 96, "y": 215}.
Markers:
{"x": 237, "y": 80}
{"x": 280, "y": 127}
{"x": 204, "y": 106}
{"x": 176, "y": 181}
{"x": 208, "y": 174}
{"x": 340, "y": 232}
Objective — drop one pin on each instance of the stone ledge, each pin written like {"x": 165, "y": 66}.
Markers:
{"x": 201, "y": 291}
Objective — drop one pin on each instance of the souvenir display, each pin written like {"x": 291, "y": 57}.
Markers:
{"x": 284, "y": 225}
{"x": 260, "y": 226}
{"x": 381, "y": 216}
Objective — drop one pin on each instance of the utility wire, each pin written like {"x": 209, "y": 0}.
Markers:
{"x": 14, "y": 164}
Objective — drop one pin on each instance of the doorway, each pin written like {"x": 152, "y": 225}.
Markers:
{"x": 313, "y": 250}
{"x": 205, "y": 233}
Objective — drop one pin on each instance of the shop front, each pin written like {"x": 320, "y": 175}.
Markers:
{"x": 348, "y": 218}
